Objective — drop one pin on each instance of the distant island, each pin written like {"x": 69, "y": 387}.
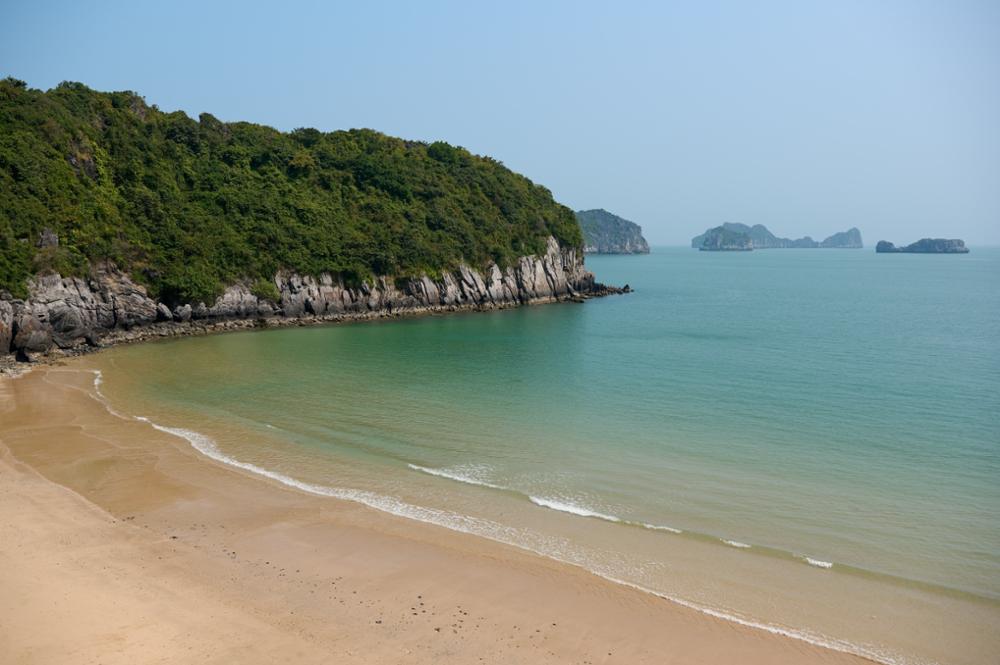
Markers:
{"x": 605, "y": 233}
{"x": 924, "y": 246}
{"x": 740, "y": 237}
{"x": 721, "y": 239}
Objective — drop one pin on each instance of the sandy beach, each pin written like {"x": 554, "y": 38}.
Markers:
{"x": 121, "y": 544}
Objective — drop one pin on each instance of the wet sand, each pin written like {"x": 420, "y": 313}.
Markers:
{"x": 121, "y": 544}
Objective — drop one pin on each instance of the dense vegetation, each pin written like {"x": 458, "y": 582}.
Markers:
{"x": 189, "y": 206}
{"x": 605, "y": 233}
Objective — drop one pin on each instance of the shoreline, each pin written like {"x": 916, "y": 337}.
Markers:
{"x": 157, "y": 477}
{"x": 13, "y": 366}
{"x": 68, "y": 314}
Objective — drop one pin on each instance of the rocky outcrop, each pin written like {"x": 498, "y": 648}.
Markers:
{"x": 604, "y": 233}
{"x": 67, "y": 314}
{"x": 761, "y": 238}
{"x": 849, "y": 239}
{"x": 924, "y": 246}
{"x": 721, "y": 239}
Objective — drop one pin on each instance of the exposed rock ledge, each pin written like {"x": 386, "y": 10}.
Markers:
{"x": 68, "y": 315}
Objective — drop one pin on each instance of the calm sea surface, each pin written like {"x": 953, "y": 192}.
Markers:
{"x": 803, "y": 439}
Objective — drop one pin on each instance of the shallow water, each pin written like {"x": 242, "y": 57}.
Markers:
{"x": 804, "y": 439}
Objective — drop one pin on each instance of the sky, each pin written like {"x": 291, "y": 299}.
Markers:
{"x": 808, "y": 117}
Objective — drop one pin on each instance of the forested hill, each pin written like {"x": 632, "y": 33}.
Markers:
{"x": 189, "y": 206}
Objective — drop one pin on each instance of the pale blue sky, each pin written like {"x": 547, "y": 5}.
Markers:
{"x": 807, "y": 117}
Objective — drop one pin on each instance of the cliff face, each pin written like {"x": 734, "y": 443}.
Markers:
{"x": 924, "y": 246}
{"x": 762, "y": 238}
{"x": 66, "y": 314}
{"x": 605, "y": 233}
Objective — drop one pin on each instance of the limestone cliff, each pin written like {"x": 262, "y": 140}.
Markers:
{"x": 721, "y": 239}
{"x": 924, "y": 246}
{"x": 64, "y": 315}
{"x": 761, "y": 238}
{"x": 605, "y": 233}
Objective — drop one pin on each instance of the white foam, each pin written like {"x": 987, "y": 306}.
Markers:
{"x": 818, "y": 562}
{"x": 468, "y": 475}
{"x": 447, "y": 519}
{"x": 735, "y": 543}
{"x": 571, "y": 508}
{"x": 98, "y": 380}
{"x": 658, "y": 527}
{"x": 460, "y": 474}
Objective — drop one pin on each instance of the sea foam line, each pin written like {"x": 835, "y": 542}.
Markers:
{"x": 388, "y": 504}
{"x": 571, "y": 508}
{"x": 819, "y": 563}
{"x": 801, "y": 635}
{"x": 735, "y": 543}
{"x": 454, "y": 474}
{"x": 554, "y": 504}
{"x": 98, "y": 380}
{"x": 502, "y": 534}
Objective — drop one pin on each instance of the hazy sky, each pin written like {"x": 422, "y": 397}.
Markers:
{"x": 807, "y": 117}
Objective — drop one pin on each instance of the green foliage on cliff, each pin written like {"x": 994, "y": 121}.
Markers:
{"x": 188, "y": 206}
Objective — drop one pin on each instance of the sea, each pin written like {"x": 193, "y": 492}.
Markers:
{"x": 802, "y": 440}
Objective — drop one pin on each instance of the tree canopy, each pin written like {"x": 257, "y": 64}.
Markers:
{"x": 189, "y": 206}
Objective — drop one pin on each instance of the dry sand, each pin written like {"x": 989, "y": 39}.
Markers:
{"x": 121, "y": 544}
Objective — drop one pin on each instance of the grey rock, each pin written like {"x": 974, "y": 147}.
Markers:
{"x": 6, "y": 326}
{"x": 182, "y": 313}
{"x": 108, "y": 307}
{"x": 31, "y": 336}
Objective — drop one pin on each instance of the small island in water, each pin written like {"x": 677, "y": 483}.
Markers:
{"x": 605, "y": 233}
{"x": 740, "y": 238}
{"x": 924, "y": 246}
{"x": 721, "y": 239}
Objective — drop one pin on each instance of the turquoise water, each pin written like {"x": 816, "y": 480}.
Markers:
{"x": 790, "y": 437}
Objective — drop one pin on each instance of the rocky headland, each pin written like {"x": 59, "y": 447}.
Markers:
{"x": 924, "y": 246}
{"x": 71, "y": 315}
{"x": 605, "y": 233}
{"x": 120, "y": 221}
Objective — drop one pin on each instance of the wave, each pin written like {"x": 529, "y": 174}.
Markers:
{"x": 457, "y": 474}
{"x": 98, "y": 380}
{"x": 454, "y": 521}
{"x": 572, "y": 509}
{"x": 467, "y": 475}
{"x": 658, "y": 527}
{"x": 735, "y": 543}
{"x": 819, "y": 563}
